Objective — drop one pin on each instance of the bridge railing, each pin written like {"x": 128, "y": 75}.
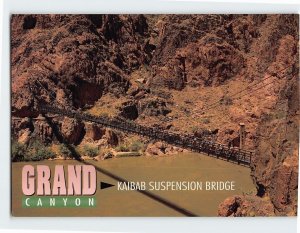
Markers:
{"x": 215, "y": 149}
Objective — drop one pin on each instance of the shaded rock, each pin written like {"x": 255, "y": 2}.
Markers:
{"x": 129, "y": 110}
{"x": 85, "y": 93}
{"x": 29, "y": 22}
{"x": 229, "y": 206}
{"x": 172, "y": 76}
{"x": 234, "y": 142}
{"x": 176, "y": 31}
{"x": 19, "y": 124}
{"x": 108, "y": 155}
{"x": 93, "y": 131}
{"x": 276, "y": 158}
{"x": 157, "y": 148}
{"x": 153, "y": 107}
{"x": 202, "y": 133}
{"x": 42, "y": 130}
{"x": 211, "y": 61}
{"x": 111, "y": 137}
{"x": 229, "y": 131}
{"x": 100, "y": 136}
{"x": 283, "y": 188}
{"x": 72, "y": 130}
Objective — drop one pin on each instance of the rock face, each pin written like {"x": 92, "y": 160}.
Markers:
{"x": 211, "y": 61}
{"x": 153, "y": 107}
{"x": 71, "y": 61}
{"x": 38, "y": 128}
{"x": 72, "y": 130}
{"x": 61, "y": 53}
{"x": 208, "y": 61}
{"x": 129, "y": 110}
{"x": 276, "y": 172}
{"x": 93, "y": 131}
{"x": 100, "y": 136}
{"x": 20, "y": 124}
{"x": 111, "y": 138}
{"x": 237, "y": 206}
{"x": 42, "y": 130}
{"x": 275, "y": 163}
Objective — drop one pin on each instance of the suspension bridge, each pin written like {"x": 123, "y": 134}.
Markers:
{"x": 190, "y": 142}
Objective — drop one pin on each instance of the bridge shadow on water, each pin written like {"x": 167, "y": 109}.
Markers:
{"x": 153, "y": 196}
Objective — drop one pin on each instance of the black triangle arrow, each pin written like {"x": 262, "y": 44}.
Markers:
{"x": 104, "y": 185}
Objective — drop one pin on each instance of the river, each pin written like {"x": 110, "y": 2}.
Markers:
{"x": 113, "y": 202}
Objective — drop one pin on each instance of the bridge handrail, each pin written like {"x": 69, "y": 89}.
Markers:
{"x": 188, "y": 141}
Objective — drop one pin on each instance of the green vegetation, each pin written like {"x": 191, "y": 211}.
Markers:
{"x": 38, "y": 151}
{"x": 134, "y": 146}
{"x": 123, "y": 148}
{"x": 35, "y": 151}
{"x": 194, "y": 129}
{"x": 137, "y": 146}
{"x": 18, "y": 152}
{"x": 127, "y": 154}
{"x": 91, "y": 151}
{"x": 226, "y": 100}
{"x": 205, "y": 120}
{"x": 65, "y": 151}
{"x": 42, "y": 153}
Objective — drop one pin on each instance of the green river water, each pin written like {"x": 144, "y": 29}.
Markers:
{"x": 113, "y": 202}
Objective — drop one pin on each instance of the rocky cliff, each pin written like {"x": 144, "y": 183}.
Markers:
{"x": 77, "y": 57}
{"x": 275, "y": 164}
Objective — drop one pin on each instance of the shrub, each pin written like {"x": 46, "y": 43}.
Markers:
{"x": 36, "y": 151}
{"x": 65, "y": 151}
{"x": 123, "y": 148}
{"x": 205, "y": 121}
{"x": 194, "y": 129}
{"x": 91, "y": 151}
{"x": 41, "y": 153}
{"x": 18, "y": 152}
{"x": 226, "y": 100}
{"x": 137, "y": 146}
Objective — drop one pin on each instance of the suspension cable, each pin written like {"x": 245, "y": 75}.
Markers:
{"x": 210, "y": 106}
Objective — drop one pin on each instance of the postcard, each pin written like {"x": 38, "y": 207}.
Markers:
{"x": 154, "y": 115}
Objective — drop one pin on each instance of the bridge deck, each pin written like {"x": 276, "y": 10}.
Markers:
{"x": 220, "y": 151}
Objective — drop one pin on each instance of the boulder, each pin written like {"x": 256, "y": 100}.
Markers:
{"x": 93, "y": 131}
{"x": 153, "y": 107}
{"x": 72, "y": 130}
{"x": 129, "y": 110}
{"x": 42, "y": 130}
{"x": 111, "y": 137}
{"x": 246, "y": 206}
{"x": 161, "y": 149}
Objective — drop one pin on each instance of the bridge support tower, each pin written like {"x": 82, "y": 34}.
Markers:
{"x": 242, "y": 136}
